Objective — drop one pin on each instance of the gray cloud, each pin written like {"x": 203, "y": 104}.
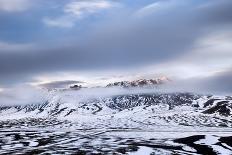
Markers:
{"x": 22, "y": 95}
{"x": 126, "y": 41}
{"x": 219, "y": 83}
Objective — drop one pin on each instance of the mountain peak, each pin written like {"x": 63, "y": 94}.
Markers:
{"x": 140, "y": 82}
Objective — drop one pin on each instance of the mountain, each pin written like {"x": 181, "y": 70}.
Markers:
{"x": 134, "y": 110}
{"x": 140, "y": 83}
{"x": 142, "y": 123}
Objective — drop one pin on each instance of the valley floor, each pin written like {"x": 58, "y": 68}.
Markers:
{"x": 163, "y": 141}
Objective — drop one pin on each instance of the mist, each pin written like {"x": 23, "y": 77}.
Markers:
{"x": 217, "y": 84}
{"x": 22, "y": 95}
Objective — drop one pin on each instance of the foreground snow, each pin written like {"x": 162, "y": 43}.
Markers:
{"x": 130, "y": 141}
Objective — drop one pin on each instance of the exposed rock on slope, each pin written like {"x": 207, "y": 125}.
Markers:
{"x": 140, "y": 83}
{"x": 129, "y": 111}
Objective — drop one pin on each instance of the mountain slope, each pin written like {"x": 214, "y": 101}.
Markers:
{"x": 130, "y": 111}
{"x": 162, "y": 123}
{"x": 140, "y": 83}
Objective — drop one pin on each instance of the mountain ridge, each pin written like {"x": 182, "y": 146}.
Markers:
{"x": 169, "y": 107}
{"x": 140, "y": 82}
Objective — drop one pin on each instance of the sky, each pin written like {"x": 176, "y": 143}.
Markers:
{"x": 48, "y": 42}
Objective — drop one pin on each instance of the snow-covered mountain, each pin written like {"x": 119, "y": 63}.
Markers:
{"x": 131, "y": 110}
{"x": 143, "y": 123}
{"x": 140, "y": 83}
{"x": 118, "y": 119}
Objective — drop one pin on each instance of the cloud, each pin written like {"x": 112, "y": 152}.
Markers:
{"x": 59, "y": 84}
{"x": 26, "y": 95}
{"x": 77, "y": 10}
{"x": 14, "y": 5}
{"x": 80, "y": 8}
{"x": 22, "y": 95}
{"x": 209, "y": 53}
{"x": 125, "y": 41}
{"x": 62, "y": 22}
{"x": 219, "y": 83}
{"x": 156, "y": 7}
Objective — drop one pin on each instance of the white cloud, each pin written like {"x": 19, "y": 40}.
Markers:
{"x": 77, "y": 10}
{"x": 157, "y": 7}
{"x": 14, "y": 5}
{"x": 22, "y": 95}
{"x": 63, "y": 22}
{"x": 209, "y": 54}
{"x": 81, "y": 8}
{"x": 217, "y": 43}
{"x": 148, "y": 9}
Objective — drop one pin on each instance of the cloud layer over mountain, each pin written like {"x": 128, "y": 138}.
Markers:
{"x": 101, "y": 36}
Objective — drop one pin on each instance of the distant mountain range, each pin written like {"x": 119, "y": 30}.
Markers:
{"x": 140, "y": 83}
{"x": 145, "y": 83}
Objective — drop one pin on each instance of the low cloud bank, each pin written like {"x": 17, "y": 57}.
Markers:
{"x": 22, "y": 95}
{"x": 60, "y": 84}
{"x": 217, "y": 84}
